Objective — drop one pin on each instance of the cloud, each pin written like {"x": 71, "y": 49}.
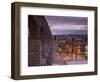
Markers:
{"x": 71, "y": 27}
{"x": 67, "y": 25}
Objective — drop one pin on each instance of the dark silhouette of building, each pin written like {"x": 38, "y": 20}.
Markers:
{"x": 39, "y": 41}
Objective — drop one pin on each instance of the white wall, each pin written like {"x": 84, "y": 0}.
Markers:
{"x": 5, "y": 40}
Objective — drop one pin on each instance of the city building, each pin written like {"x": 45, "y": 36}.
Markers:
{"x": 39, "y": 41}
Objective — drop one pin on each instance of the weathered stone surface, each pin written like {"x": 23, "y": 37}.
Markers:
{"x": 39, "y": 41}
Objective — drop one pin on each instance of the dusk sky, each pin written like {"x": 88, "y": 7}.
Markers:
{"x": 63, "y": 25}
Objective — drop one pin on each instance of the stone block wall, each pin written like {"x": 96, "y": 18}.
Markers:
{"x": 39, "y": 41}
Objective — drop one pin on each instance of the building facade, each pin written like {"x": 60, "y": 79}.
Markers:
{"x": 39, "y": 41}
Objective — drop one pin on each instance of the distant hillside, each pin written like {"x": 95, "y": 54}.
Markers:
{"x": 71, "y": 35}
